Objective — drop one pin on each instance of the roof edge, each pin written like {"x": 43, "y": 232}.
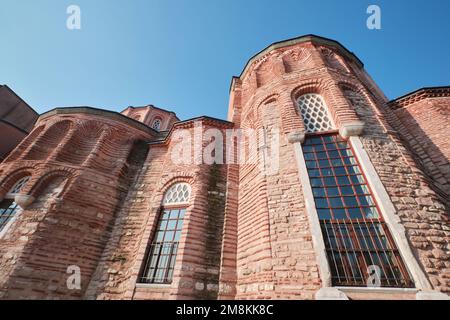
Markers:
{"x": 179, "y": 123}
{"x": 419, "y": 94}
{"x": 152, "y": 106}
{"x": 99, "y": 112}
{"x": 14, "y": 93}
{"x": 296, "y": 40}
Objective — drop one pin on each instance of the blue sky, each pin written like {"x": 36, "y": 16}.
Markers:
{"x": 181, "y": 54}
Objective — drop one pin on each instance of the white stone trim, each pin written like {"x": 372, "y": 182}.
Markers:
{"x": 24, "y": 200}
{"x": 389, "y": 214}
{"x": 296, "y": 136}
{"x": 377, "y": 290}
{"x": 153, "y": 286}
{"x": 313, "y": 217}
{"x": 431, "y": 295}
{"x": 330, "y": 293}
{"x": 355, "y": 128}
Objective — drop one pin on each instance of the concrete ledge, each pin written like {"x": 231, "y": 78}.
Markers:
{"x": 329, "y": 293}
{"x": 352, "y": 129}
{"x": 378, "y": 290}
{"x": 24, "y": 200}
{"x": 431, "y": 295}
{"x": 296, "y": 136}
{"x": 153, "y": 286}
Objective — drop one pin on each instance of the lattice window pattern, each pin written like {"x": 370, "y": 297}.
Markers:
{"x": 156, "y": 124}
{"x": 8, "y": 208}
{"x": 314, "y": 113}
{"x": 178, "y": 193}
{"x": 19, "y": 185}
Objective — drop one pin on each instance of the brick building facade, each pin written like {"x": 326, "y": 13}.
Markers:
{"x": 360, "y": 191}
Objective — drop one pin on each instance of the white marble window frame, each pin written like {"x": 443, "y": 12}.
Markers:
{"x": 387, "y": 210}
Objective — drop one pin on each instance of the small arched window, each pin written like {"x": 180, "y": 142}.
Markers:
{"x": 8, "y": 208}
{"x": 177, "y": 194}
{"x": 19, "y": 185}
{"x": 314, "y": 113}
{"x": 156, "y": 124}
{"x": 162, "y": 253}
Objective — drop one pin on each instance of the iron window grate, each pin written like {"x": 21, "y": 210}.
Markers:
{"x": 355, "y": 234}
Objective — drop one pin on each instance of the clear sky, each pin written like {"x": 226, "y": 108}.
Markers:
{"x": 181, "y": 54}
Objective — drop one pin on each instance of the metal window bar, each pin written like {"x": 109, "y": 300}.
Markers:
{"x": 354, "y": 231}
{"x": 162, "y": 252}
{"x": 8, "y": 208}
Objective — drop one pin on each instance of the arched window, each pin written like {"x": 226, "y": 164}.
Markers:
{"x": 162, "y": 253}
{"x": 8, "y": 208}
{"x": 314, "y": 113}
{"x": 156, "y": 124}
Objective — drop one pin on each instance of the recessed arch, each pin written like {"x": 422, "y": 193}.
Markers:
{"x": 81, "y": 143}
{"x": 25, "y": 144}
{"x": 47, "y": 178}
{"x": 10, "y": 180}
{"x": 42, "y": 148}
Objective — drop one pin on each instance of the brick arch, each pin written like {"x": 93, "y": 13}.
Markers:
{"x": 317, "y": 86}
{"x": 333, "y": 60}
{"x": 111, "y": 151}
{"x": 295, "y": 59}
{"x": 25, "y": 144}
{"x": 42, "y": 148}
{"x": 270, "y": 98}
{"x": 267, "y": 99}
{"x": 263, "y": 71}
{"x": 82, "y": 142}
{"x": 176, "y": 177}
{"x": 335, "y": 101}
{"x": 8, "y": 182}
{"x": 48, "y": 177}
{"x": 357, "y": 88}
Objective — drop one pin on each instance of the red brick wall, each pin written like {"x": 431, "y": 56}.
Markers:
{"x": 199, "y": 258}
{"x": 426, "y": 123}
{"x": 275, "y": 257}
{"x": 76, "y": 200}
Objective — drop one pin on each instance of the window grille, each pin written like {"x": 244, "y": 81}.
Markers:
{"x": 19, "y": 185}
{"x": 156, "y": 124}
{"x": 8, "y": 209}
{"x": 314, "y": 113}
{"x": 356, "y": 236}
{"x": 162, "y": 252}
{"x": 178, "y": 193}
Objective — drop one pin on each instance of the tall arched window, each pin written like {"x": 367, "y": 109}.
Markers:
{"x": 162, "y": 252}
{"x": 314, "y": 113}
{"x": 356, "y": 237}
{"x": 8, "y": 208}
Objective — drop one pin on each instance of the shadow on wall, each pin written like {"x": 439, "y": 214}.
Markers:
{"x": 428, "y": 155}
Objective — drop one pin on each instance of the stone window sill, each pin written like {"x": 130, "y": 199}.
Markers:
{"x": 152, "y": 286}
{"x": 376, "y": 290}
